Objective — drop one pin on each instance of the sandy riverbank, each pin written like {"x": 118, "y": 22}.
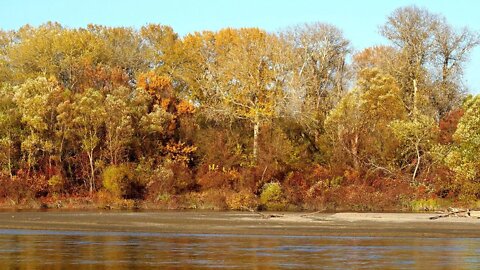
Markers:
{"x": 198, "y": 222}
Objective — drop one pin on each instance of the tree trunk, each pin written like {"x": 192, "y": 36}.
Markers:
{"x": 10, "y": 161}
{"x": 417, "y": 165}
{"x": 415, "y": 90}
{"x": 92, "y": 172}
{"x": 354, "y": 149}
{"x": 256, "y": 130}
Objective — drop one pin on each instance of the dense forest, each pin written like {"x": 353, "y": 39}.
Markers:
{"x": 239, "y": 118}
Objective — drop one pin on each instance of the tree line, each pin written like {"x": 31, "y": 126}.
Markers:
{"x": 240, "y": 118}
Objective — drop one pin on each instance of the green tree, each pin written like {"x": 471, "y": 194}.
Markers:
{"x": 89, "y": 118}
{"x": 118, "y": 124}
{"x": 33, "y": 100}
{"x": 417, "y": 137}
{"x": 463, "y": 158}
{"x": 10, "y": 129}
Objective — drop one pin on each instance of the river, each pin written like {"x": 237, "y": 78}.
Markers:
{"x": 286, "y": 247}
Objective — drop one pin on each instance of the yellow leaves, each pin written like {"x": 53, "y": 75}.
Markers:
{"x": 380, "y": 96}
{"x": 158, "y": 33}
{"x": 184, "y": 107}
{"x": 157, "y": 86}
{"x": 226, "y": 37}
{"x": 180, "y": 151}
{"x": 160, "y": 87}
{"x": 165, "y": 103}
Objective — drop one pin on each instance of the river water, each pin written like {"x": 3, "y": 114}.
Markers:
{"x": 69, "y": 249}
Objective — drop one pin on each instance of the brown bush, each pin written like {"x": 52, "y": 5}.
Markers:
{"x": 216, "y": 178}
{"x": 219, "y": 147}
{"x": 296, "y": 187}
{"x": 172, "y": 178}
{"x": 210, "y": 199}
{"x": 242, "y": 200}
{"x": 23, "y": 187}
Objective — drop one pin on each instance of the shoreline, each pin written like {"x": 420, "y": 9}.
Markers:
{"x": 244, "y": 223}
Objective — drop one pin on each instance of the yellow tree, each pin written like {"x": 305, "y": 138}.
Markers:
{"x": 10, "y": 129}
{"x": 5, "y": 42}
{"x": 163, "y": 49}
{"x": 463, "y": 153}
{"x": 359, "y": 126}
{"x": 239, "y": 79}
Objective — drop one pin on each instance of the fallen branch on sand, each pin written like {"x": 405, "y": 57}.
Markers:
{"x": 310, "y": 214}
{"x": 454, "y": 212}
{"x": 267, "y": 216}
{"x": 264, "y": 216}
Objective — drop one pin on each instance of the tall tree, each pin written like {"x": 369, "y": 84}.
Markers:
{"x": 118, "y": 124}
{"x": 450, "y": 53}
{"x": 239, "y": 77}
{"x": 317, "y": 76}
{"x": 89, "y": 118}
{"x": 463, "y": 158}
{"x": 10, "y": 129}
{"x": 33, "y": 99}
{"x": 358, "y": 126}
{"x": 411, "y": 30}
{"x": 320, "y": 54}
{"x": 431, "y": 58}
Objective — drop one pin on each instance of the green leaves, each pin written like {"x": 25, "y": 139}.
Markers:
{"x": 464, "y": 158}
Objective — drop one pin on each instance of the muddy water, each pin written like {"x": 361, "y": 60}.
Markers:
{"x": 89, "y": 247}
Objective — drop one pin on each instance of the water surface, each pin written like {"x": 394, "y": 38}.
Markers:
{"x": 235, "y": 240}
{"x": 57, "y": 249}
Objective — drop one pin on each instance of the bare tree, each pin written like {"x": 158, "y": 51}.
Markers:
{"x": 431, "y": 58}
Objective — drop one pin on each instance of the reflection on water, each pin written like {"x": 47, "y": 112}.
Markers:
{"x": 28, "y": 249}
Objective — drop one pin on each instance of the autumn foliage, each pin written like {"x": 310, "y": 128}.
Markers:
{"x": 239, "y": 119}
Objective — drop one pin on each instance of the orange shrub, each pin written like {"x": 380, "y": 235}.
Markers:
{"x": 215, "y": 177}
{"x": 296, "y": 187}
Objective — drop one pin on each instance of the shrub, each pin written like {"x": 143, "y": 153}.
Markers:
{"x": 23, "y": 187}
{"x": 296, "y": 187}
{"x": 426, "y": 205}
{"x": 155, "y": 178}
{"x": 162, "y": 180}
{"x": 105, "y": 199}
{"x": 219, "y": 178}
{"x": 119, "y": 180}
{"x": 210, "y": 199}
{"x": 56, "y": 183}
{"x": 242, "y": 200}
{"x": 181, "y": 180}
{"x": 272, "y": 196}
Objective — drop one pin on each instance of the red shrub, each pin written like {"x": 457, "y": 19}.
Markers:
{"x": 448, "y": 125}
{"x": 296, "y": 187}
{"x": 219, "y": 179}
{"x": 23, "y": 187}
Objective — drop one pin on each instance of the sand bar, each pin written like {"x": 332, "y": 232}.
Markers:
{"x": 201, "y": 222}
